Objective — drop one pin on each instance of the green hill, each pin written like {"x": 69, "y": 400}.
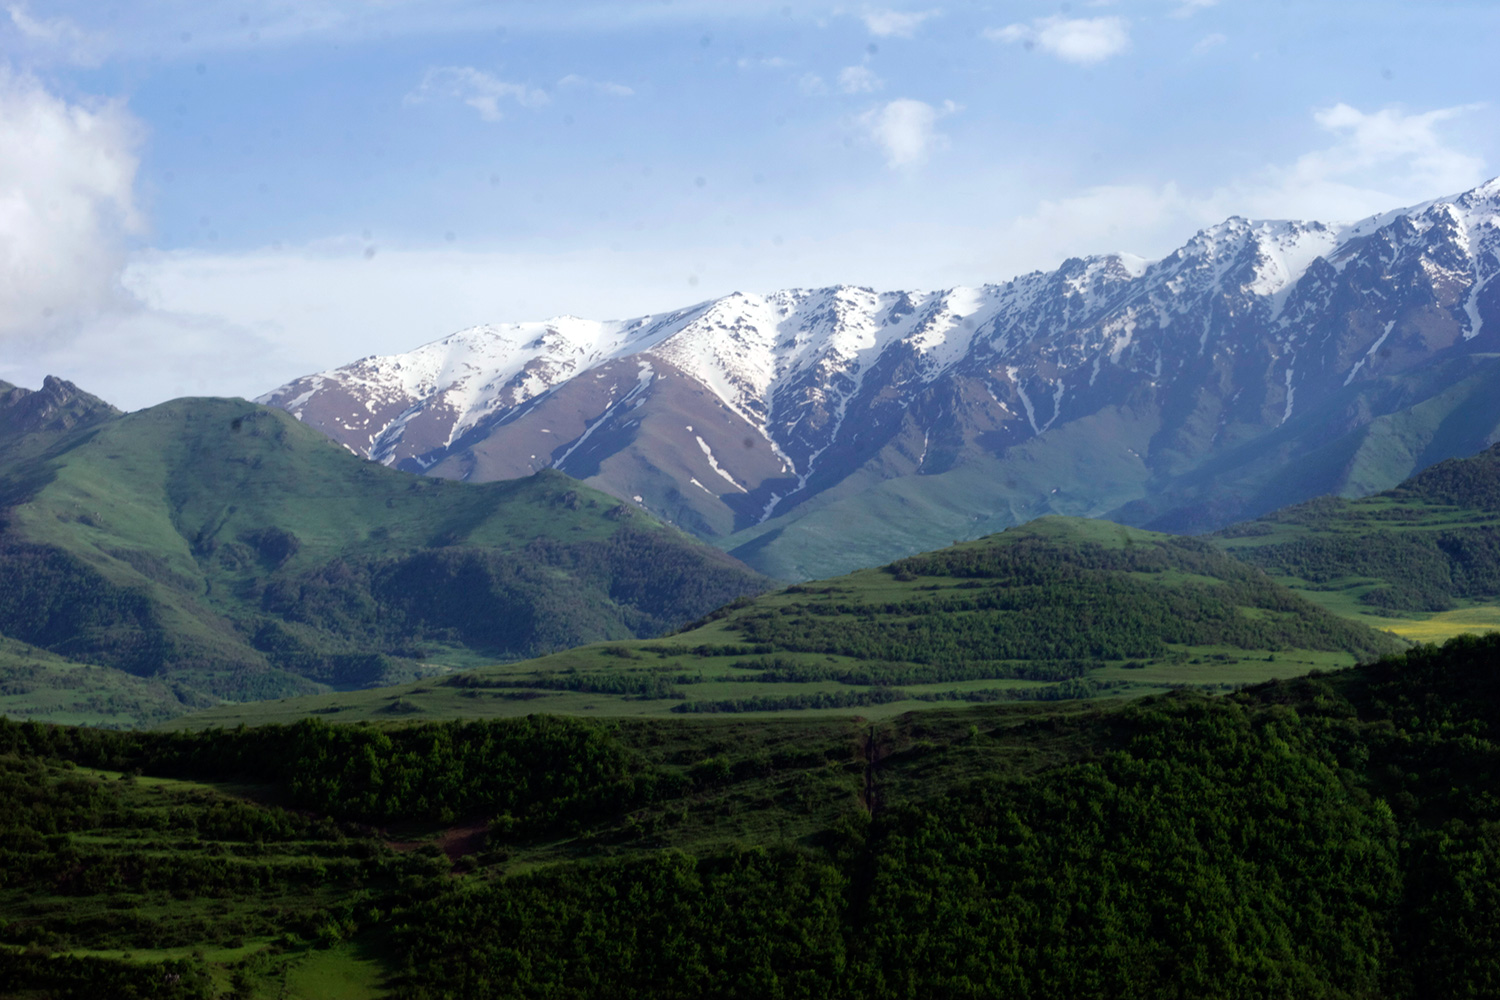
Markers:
{"x": 1335, "y": 836}
{"x": 1423, "y": 557}
{"x": 224, "y": 550}
{"x": 1061, "y": 608}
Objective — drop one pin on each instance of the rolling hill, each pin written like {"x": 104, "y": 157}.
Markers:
{"x": 225, "y": 551}
{"x": 1059, "y": 609}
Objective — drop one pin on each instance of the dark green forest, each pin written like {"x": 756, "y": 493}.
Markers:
{"x": 1458, "y": 482}
{"x": 1337, "y": 835}
{"x": 1040, "y": 596}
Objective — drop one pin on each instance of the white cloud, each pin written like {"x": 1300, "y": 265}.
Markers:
{"x": 763, "y": 62}
{"x": 1133, "y": 217}
{"x": 575, "y": 82}
{"x": 906, "y": 130}
{"x": 58, "y": 34}
{"x": 67, "y": 177}
{"x": 1378, "y": 161}
{"x": 1188, "y": 8}
{"x": 476, "y": 88}
{"x": 859, "y": 80}
{"x": 1208, "y": 43}
{"x": 1084, "y": 41}
{"x": 900, "y": 24}
{"x": 812, "y": 84}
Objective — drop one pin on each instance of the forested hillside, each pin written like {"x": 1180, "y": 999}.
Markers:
{"x": 1332, "y": 836}
{"x": 1431, "y": 544}
{"x": 224, "y": 551}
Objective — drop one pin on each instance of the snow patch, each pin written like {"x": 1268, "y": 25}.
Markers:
{"x": 294, "y": 406}
{"x": 1057, "y": 398}
{"x": 1471, "y": 307}
{"x": 1361, "y": 362}
{"x": 643, "y": 380}
{"x": 1025, "y": 399}
{"x": 1124, "y": 334}
{"x": 713, "y": 463}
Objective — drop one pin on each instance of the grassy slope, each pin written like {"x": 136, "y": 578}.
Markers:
{"x": 717, "y": 661}
{"x": 199, "y": 470}
{"x": 36, "y": 683}
{"x": 1093, "y": 468}
{"x": 202, "y": 504}
{"x": 1418, "y": 560}
{"x": 1083, "y": 469}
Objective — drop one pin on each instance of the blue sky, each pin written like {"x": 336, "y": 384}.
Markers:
{"x": 214, "y": 198}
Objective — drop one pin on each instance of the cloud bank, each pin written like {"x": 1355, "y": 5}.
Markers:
{"x": 900, "y": 24}
{"x": 67, "y": 205}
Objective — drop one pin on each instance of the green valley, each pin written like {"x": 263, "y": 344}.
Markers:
{"x": 1071, "y": 758}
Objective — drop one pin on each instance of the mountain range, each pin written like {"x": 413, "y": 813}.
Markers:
{"x": 928, "y": 778}
{"x": 813, "y": 431}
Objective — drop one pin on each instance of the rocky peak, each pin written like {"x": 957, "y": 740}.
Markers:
{"x": 57, "y": 406}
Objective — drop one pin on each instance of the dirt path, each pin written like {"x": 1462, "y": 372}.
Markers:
{"x": 455, "y": 842}
{"x": 871, "y": 746}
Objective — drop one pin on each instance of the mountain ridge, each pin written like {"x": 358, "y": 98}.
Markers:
{"x": 731, "y": 415}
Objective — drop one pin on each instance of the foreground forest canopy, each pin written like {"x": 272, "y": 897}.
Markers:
{"x": 1336, "y": 835}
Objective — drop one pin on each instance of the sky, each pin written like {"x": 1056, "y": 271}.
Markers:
{"x": 204, "y": 198}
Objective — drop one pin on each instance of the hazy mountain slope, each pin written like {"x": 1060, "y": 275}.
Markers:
{"x": 1249, "y": 350}
{"x": 229, "y": 549}
{"x": 1429, "y": 545}
{"x": 1366, "y": 438}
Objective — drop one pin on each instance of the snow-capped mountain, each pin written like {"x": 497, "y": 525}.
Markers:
{"x": 737, "y": 416}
